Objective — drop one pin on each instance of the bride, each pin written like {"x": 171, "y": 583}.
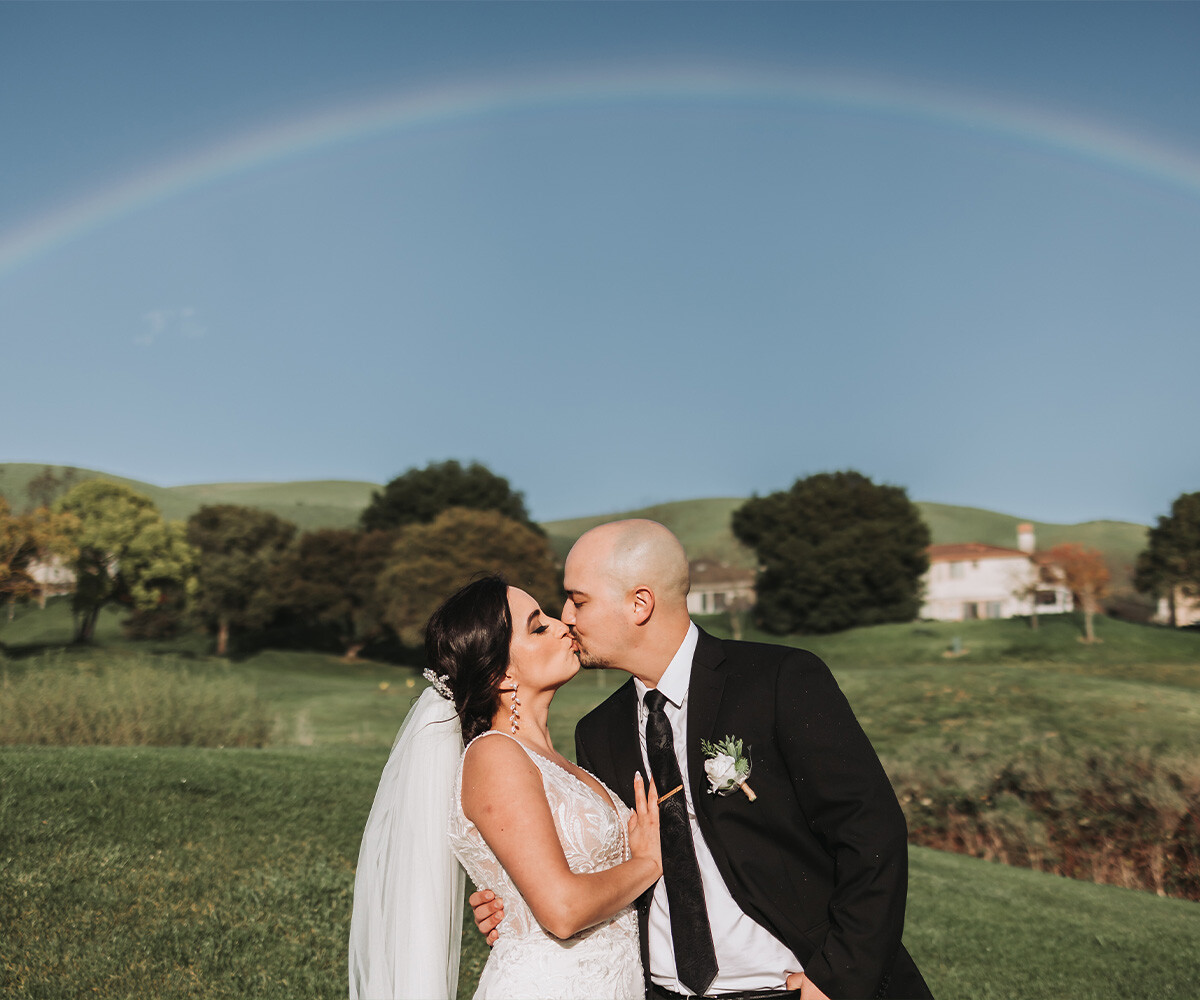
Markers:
{"x": 562, "y": 850}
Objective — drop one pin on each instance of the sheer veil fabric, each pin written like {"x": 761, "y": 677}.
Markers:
{"x": 406, "y": 926}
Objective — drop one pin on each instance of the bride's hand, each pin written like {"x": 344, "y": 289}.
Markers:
{"x": 807, "y": 988}
{"x": 643, "y": 824}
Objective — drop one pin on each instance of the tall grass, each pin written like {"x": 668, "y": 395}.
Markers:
{"x": 134, "y": 701}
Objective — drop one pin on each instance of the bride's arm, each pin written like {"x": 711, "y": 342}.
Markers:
{"x": 503, "y": 795}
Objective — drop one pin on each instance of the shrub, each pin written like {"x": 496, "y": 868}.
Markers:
{"x": 1123, "y": 818}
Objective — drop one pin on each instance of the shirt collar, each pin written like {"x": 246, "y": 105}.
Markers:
{"x": 674, "y": 681}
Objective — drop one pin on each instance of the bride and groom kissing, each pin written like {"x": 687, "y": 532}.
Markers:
{"x": 631, "y": 873}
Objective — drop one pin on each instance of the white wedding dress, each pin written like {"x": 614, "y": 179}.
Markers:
{"x": 527, "y": 962}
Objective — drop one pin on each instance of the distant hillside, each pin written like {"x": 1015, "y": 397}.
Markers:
{"x": 702, "y": 525}
{"x": 320, "y": 504}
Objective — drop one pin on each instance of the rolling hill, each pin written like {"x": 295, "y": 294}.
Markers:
{"x": 702, "y": 525}
{"x": 319, "y": 504}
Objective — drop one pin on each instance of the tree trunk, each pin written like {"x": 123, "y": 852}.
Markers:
{"x": 85, "y": 628}
{"x": 222, "y": 636}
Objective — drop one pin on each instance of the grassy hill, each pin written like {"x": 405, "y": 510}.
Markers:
{"x": 318, "y": 504}
{"x": 702, "y": 525}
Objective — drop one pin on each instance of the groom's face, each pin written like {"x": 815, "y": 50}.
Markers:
{"x": 594, "y": 612}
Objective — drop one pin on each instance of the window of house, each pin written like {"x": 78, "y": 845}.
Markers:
{"x": 995, "y": 609}
{"x": 956, "y": 570}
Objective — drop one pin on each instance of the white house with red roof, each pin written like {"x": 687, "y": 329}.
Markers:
{"x": 718, "y": 587}
{"x": 970, "y": 580}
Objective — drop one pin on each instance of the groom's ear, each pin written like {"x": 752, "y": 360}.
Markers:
{"x": 643, "y": 605}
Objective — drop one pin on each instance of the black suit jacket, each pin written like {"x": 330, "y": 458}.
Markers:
{"x": 821, "y": 858}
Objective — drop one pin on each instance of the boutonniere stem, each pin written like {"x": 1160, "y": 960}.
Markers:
{"x": 727, "y": 767}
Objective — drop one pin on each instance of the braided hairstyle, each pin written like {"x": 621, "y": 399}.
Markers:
{"x": 468, "y": 639}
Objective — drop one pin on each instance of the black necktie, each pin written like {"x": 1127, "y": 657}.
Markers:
{"x": 695, "y": 957}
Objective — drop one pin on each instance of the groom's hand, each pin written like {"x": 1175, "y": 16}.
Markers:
{"x": 489, "y": 911}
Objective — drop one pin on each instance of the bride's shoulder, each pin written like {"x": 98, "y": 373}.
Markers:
{"x": 496, "y": 771}
{"x": 494, "y": 751}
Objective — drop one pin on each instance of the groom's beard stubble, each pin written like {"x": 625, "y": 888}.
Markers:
{"x": 589, "y": 662}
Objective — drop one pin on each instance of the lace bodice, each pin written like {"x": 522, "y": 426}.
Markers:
{"x": 527, "y": 961}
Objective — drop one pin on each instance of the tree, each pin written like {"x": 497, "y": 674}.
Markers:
{"x": 835, "y": 551}
{"x": 420, "y": 495}
{"x": 1170, "y": 563}
{"x": 1086, "y": 574}
{"x": 237, "y": 550}
{"x": 124, "y": 552}
{"x": 431, "y": 561}
{"x": 25, "y": 540}
{"x": 330, "y": 576}
{"x": 43, "y": 488}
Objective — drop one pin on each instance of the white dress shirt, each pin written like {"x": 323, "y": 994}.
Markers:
{"x": 749, "y": 957}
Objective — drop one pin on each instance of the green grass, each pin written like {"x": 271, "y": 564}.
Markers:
{"x": 229, "y": 873}
{"x": 139, "y": 872}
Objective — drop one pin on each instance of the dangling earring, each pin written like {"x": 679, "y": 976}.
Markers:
{"x": 514, "y": 716}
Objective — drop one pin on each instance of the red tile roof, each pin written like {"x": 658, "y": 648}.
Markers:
{"x": 971, "y": 551}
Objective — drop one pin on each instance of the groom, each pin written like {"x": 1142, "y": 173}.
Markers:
{"x": 804, "y": 887}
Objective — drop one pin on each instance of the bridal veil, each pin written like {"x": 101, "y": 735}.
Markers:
{"x": 406, "y": 927}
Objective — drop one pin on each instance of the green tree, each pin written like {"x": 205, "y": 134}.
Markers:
{"x": 420, "y": 495}
{"x": 238, "y": 548}
{"x": 330, "y": 576}
{"x": 835, "y": 551}
{"x": 1170, "y": 563}
{"x": 431, "y": 561}
{"x": 124, "y": 552}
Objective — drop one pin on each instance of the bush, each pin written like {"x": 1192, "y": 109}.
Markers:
{"x": 1121, "y": 818}
{"x": 137, "y": 702}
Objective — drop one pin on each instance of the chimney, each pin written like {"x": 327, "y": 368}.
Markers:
{"x": 1025, "y": 540}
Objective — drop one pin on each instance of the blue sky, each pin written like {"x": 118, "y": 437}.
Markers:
{"x": 621, "y": 253}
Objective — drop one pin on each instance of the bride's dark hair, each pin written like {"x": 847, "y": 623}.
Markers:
{"x": 468, "y": 639}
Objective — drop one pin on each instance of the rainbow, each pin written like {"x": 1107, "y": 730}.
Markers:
{"x": 1107, "y": 148}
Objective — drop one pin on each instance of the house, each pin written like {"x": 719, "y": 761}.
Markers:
{"x": 970, "y": 580}
{"x": 52, "y": 576}
{"x": 718, "y": 587}
{"x": 1187, "y": 610}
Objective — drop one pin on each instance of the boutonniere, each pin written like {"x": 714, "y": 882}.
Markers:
{"x": 727, "y": 767}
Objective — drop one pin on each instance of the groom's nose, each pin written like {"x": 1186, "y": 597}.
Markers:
{"x": 568, "y": 613}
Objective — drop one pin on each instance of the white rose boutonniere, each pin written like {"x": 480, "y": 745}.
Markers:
{"x": 727, "y": 767}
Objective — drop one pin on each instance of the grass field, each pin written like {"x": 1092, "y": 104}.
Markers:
{"x": 191, "y": 872}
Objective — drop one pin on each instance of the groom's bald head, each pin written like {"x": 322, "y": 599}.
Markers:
{"x": 636, "y": 553}
{"x": 627, "y": 584}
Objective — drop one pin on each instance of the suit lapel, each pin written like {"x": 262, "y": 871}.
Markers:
{"x": 625, "y": 742}
{"x": 704, "y": 700}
